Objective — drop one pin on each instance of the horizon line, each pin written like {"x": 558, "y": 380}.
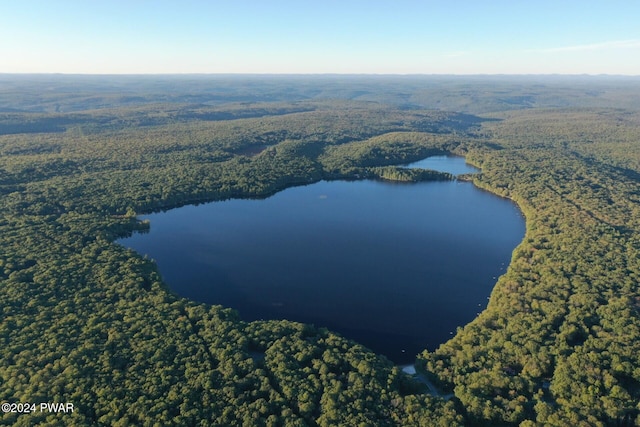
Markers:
{"x": 324, "y": 74}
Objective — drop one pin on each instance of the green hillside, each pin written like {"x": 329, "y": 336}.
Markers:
{"x": 89, "y": 322}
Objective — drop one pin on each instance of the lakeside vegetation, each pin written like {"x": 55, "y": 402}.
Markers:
{"x": 87, "y": 321}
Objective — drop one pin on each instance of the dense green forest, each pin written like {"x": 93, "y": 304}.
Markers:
{"x": 87, "y": 321}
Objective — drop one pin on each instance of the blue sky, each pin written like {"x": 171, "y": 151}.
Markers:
{"x": 328, "y": 36}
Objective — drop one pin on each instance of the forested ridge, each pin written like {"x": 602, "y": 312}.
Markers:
{"x": 87, "y": 321}
{"x": 559, "y": 343}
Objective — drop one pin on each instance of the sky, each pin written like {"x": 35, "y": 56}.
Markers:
{"x": 320, "y": 36}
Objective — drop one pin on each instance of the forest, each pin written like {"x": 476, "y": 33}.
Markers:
{"x": 87, "y": 321}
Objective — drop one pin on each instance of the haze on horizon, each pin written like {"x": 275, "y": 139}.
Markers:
{"x": 334, "y": 37}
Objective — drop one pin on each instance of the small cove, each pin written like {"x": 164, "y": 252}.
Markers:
{"x": 454, "y": 165}
{"x": 396, "y": 267}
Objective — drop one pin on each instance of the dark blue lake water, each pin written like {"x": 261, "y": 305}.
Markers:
{"x": 396, "y": 267}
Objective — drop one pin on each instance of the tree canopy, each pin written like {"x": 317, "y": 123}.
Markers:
{"x": 87, "y": 321}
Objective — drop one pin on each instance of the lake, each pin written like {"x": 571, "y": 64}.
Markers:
{"x": 395, "y": 266}
{"x": 454, "y": 165}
